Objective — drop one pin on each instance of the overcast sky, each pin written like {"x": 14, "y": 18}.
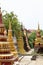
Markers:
{"x": 30, "y": 12}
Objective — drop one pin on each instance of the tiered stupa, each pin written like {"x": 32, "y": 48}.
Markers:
{"x": 20, "y": 44}
{"x": 6, "y": 57}
{"x": 38, "y": 37}
{"x": 11, "y": 42}
{"x": 39, "y": 40}
{"x": 25, "y": 38}
{"x": 23, "y": 46}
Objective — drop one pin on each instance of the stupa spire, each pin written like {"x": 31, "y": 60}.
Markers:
{"x": 9, "y": 25}
{"x": 2, "y": 28}
{"x": 6, "y": 57}
{"x": 38, "y": 26}
{"x": 0, "y": 16}
{"x": 0, "y": 9}
{"x": 11, "y": 42}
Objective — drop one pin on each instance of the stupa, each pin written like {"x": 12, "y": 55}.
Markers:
{"x": 20, "y": 41}
{"x": 39, "y": 40}
{"x": 6, "y": 57}
{"x": 23, "y": 46}
{"x": 25, "y": 38}
{"x": 11, "y": 42}
{"x": 38, "y": 37}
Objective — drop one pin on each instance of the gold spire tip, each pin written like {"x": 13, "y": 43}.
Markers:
{"x": 9, "y": 25}
{"x": 0, "y": 10}
{"x": 38, "y": 26}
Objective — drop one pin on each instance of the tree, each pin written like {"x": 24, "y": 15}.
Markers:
{"x": 14, "y": 22}
{"x": 31, "y": 39}
{"x": 41, "y": 32}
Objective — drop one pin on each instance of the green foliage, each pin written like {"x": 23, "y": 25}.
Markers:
{"x": 41, "y": 32}
{"x": 31, "y": 39}
{"x": 14, "y": 22}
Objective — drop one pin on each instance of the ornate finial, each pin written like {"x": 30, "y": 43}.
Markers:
{"x": 38, "y": 26}
{"x": 0, "y": 5}
{"x": 9, "y": 25}
{"x": 0, "y": 10}
{"x": 22, "y": 26}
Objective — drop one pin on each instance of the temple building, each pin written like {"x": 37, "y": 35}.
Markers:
{"x": 38, "y": 45}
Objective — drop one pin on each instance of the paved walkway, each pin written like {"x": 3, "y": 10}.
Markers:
{"x": 30, "y": 52}
{"x": 27, "y": 61}
{"x": 39, "y": 61}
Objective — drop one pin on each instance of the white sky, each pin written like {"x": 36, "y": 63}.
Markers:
{"x": 28, "y": 11}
